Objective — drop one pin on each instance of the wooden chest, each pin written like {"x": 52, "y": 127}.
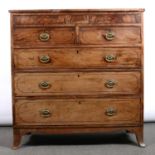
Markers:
{"x": 77, "y": 71}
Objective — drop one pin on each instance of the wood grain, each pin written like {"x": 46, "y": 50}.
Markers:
{"x": 77, "y": 112}
{"x": 77, "y": 18}
{"x": 96, "y": 35}
{"x": 75, "y": 97}
{"x": 81, "y": 83}
{"x": 77, "y": 58}
{"x": 30, "y": 36}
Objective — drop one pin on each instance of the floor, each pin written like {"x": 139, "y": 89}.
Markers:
{"x": 96, "y": 144}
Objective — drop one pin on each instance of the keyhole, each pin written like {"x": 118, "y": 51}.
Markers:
{"x": 78, "y": 75}
{"x": 79, "y": 102}
{"x": 77, "y": 52}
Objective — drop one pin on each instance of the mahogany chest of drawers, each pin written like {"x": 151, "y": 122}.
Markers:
{"x": 77, "y": 71}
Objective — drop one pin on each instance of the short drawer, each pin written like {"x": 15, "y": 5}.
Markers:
{"x": 77, "y": 58}
{"x": 110, "y": 35}
{"x": 76, "y": 83}
{"x": 43, "y": 37}
{"x": 77, "y": 112}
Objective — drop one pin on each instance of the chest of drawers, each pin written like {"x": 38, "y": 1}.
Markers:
{"x": 77, "y": 71}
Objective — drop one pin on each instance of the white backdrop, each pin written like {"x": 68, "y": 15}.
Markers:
{"x": 5, "y": 71}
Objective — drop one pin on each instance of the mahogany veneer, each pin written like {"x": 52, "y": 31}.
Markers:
{"x": 77, "y": 71}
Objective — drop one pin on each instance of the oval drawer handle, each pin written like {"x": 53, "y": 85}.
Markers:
{"x": 45, "y": 113}
{"x": 44, "y": 36}
{"x": 109, "y": 36}
{"x": 110, "y": 58}
{"x": 111, "y": 111}
{"x": 110, "y": 83}
{"x": 44, "y": 59}
{"x": 44, "y": 85}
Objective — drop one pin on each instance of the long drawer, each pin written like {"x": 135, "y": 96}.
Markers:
{"x": 77, "y": 58}
{"x": 76, "y": 83}
{"x": 76, "y": 112}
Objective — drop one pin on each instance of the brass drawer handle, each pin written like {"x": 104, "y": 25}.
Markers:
{"x": 44, "y": 36}
{"x": 110, "y": 83}
{"x": 45, "y": 113}
{"x": 110, "y": 58}
{"x": 44, "y": 85}
{"x": 109, "y": 36}
{"x": 111, "y": 112}
{"x": 44, "y": 59}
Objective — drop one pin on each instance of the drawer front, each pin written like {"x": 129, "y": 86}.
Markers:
{"x": 77, "y": 58}
{"x": 41, "y": 37}
{"x": 104, "y": 18}
{"x": 76, "y": 112}
{"x": 110, "y": 35}
{"x": 92, "y": 83}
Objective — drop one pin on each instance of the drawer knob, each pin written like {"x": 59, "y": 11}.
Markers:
{"x": 111, "y": 112}
{"x": 45, "y": 113}
{"x": 109, "y": 36}
{"x": 110, "y": 58}
{"x": 44, "y": 59}
{"x": 110, "y": 83}
{"x": 44, "y": 36}
{"x": 44, "y": 85}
